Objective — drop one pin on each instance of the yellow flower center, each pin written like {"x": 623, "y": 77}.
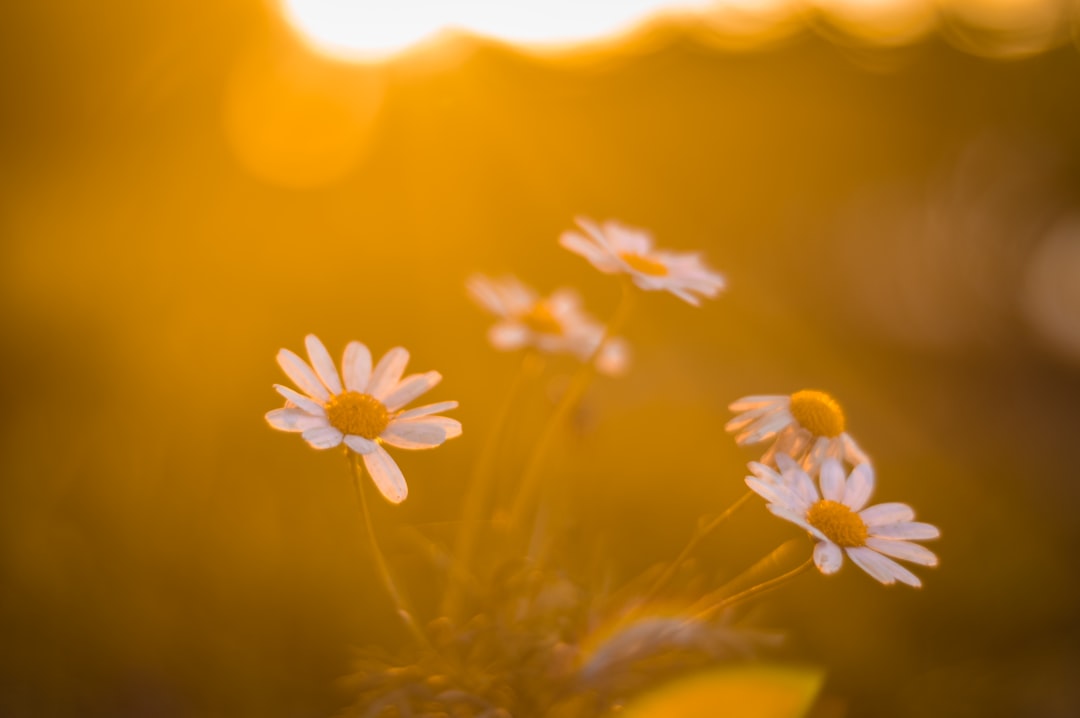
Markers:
{"x": 540, "y": 320}
{"x": 644, "y": 264}
{"x": 818, "y": 413}
{"x": 840, "y": 524}
{"x": 357, "y": 414}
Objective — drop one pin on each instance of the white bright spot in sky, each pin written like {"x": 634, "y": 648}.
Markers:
{"x": 370, "y": 29}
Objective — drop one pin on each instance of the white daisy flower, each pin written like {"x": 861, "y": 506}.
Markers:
{"x": 614, "y": 248}
{"x": 555, "y": 325}
{"x": 365, "y": 411}
{"x": 808, "y": 426}
{"x": 838, "y": 520}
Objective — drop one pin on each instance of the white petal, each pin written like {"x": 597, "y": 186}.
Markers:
{"x": 708, "y": 286}
{"x": 509, "y": 335}
{"x": 388, "y": 372}
{"x": 450, "y": 427}
{"x": 595, "y": 232}
{"x": 791, "y": 441}
{"x": 800, "y": 483}
{"x": 832, "y": 480}
{"x": 905, "y": 530}
{"x": 428, "y": 409}
{"x": 419, "y": 434}
{"x": 688, "y": 272}
{"x": 323, "y": 437}
{"x": 518, "y": 296}
{"x": 293, "y": 420}
{"x": 817, "y": 454}
{"x": 386, "y": 475}
{"x": 653, "y": 283}
{"x": 410, "y": 388}
{"x": 872, "y": 562}
{"x": 797, "y": 518}
{"x": 763, "y": 429}
{"x": 324, "y": 365}
{"x": 797, "y": 443}
{"x": 642, "y": 281}
{"x": 785, "y": 463}
{"x": 859, "y": 487}
{"x": 685, "y": 295}
{"x": 882, "y": 568}
{"x": 905, "y": 576}
{"x": 798, "y": 502}
{"x": 904, "y": 550}
{"x": 483, "y": 292}
{"x": 624, "y": 238}
{"x": 356, "y": 366}
{"x": 834, "y": 452}
{"x": 565, "y": 303}
{"x": 359, "y": 444}
{"x": 828, "y": 557}
{"x": 852, "y": 452}
{"x": 752, "y": 402}
{"x": 581, "y": 337}
{"x": 765, "y": 473}
{"x": 308, "y": 405}
{"x": 613, "y": 358}
{"x": 748, "y": 417}
{"x": 301, "y": 374}
{"x": 769, "y": 491}
{"x": 597, "y": 256}
{"x": 890, "y": 513}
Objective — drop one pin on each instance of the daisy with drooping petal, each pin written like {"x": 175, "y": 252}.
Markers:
{"x": 365, "y": 411}
{"x": 555, "y": 325}
{"x": 807, "y": 425}
{"x": 614, "y": 248}
{"x": 839, "y": 520}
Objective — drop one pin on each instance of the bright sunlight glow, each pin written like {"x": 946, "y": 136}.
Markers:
{"x": 370, "y": 29}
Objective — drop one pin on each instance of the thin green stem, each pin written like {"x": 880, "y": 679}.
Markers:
{"x": 701, "y": 534}
{"x": 763, "y": 587}
{"x": 530, "y": 479}
{"x": 380, "y": 561}
{"x": 778, "y": 557}
{"x": 481, "y": 485}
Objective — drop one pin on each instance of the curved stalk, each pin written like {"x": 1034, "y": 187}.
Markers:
{"x": 530, "y": 479}
{"x": 481, "y": 484}
{"x": 381, "y": 567}
{"x": 699, "y": 536}
{"x": 763, "y": 587}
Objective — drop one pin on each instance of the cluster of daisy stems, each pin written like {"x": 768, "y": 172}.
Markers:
{"x": 517, "y": 634}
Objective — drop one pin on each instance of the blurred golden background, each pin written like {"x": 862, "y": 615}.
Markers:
{"x": 893, "y": 196}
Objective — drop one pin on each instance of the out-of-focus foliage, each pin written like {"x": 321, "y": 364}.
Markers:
{"x": 526, "y": 649}
{"x": 186, "y": 189}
